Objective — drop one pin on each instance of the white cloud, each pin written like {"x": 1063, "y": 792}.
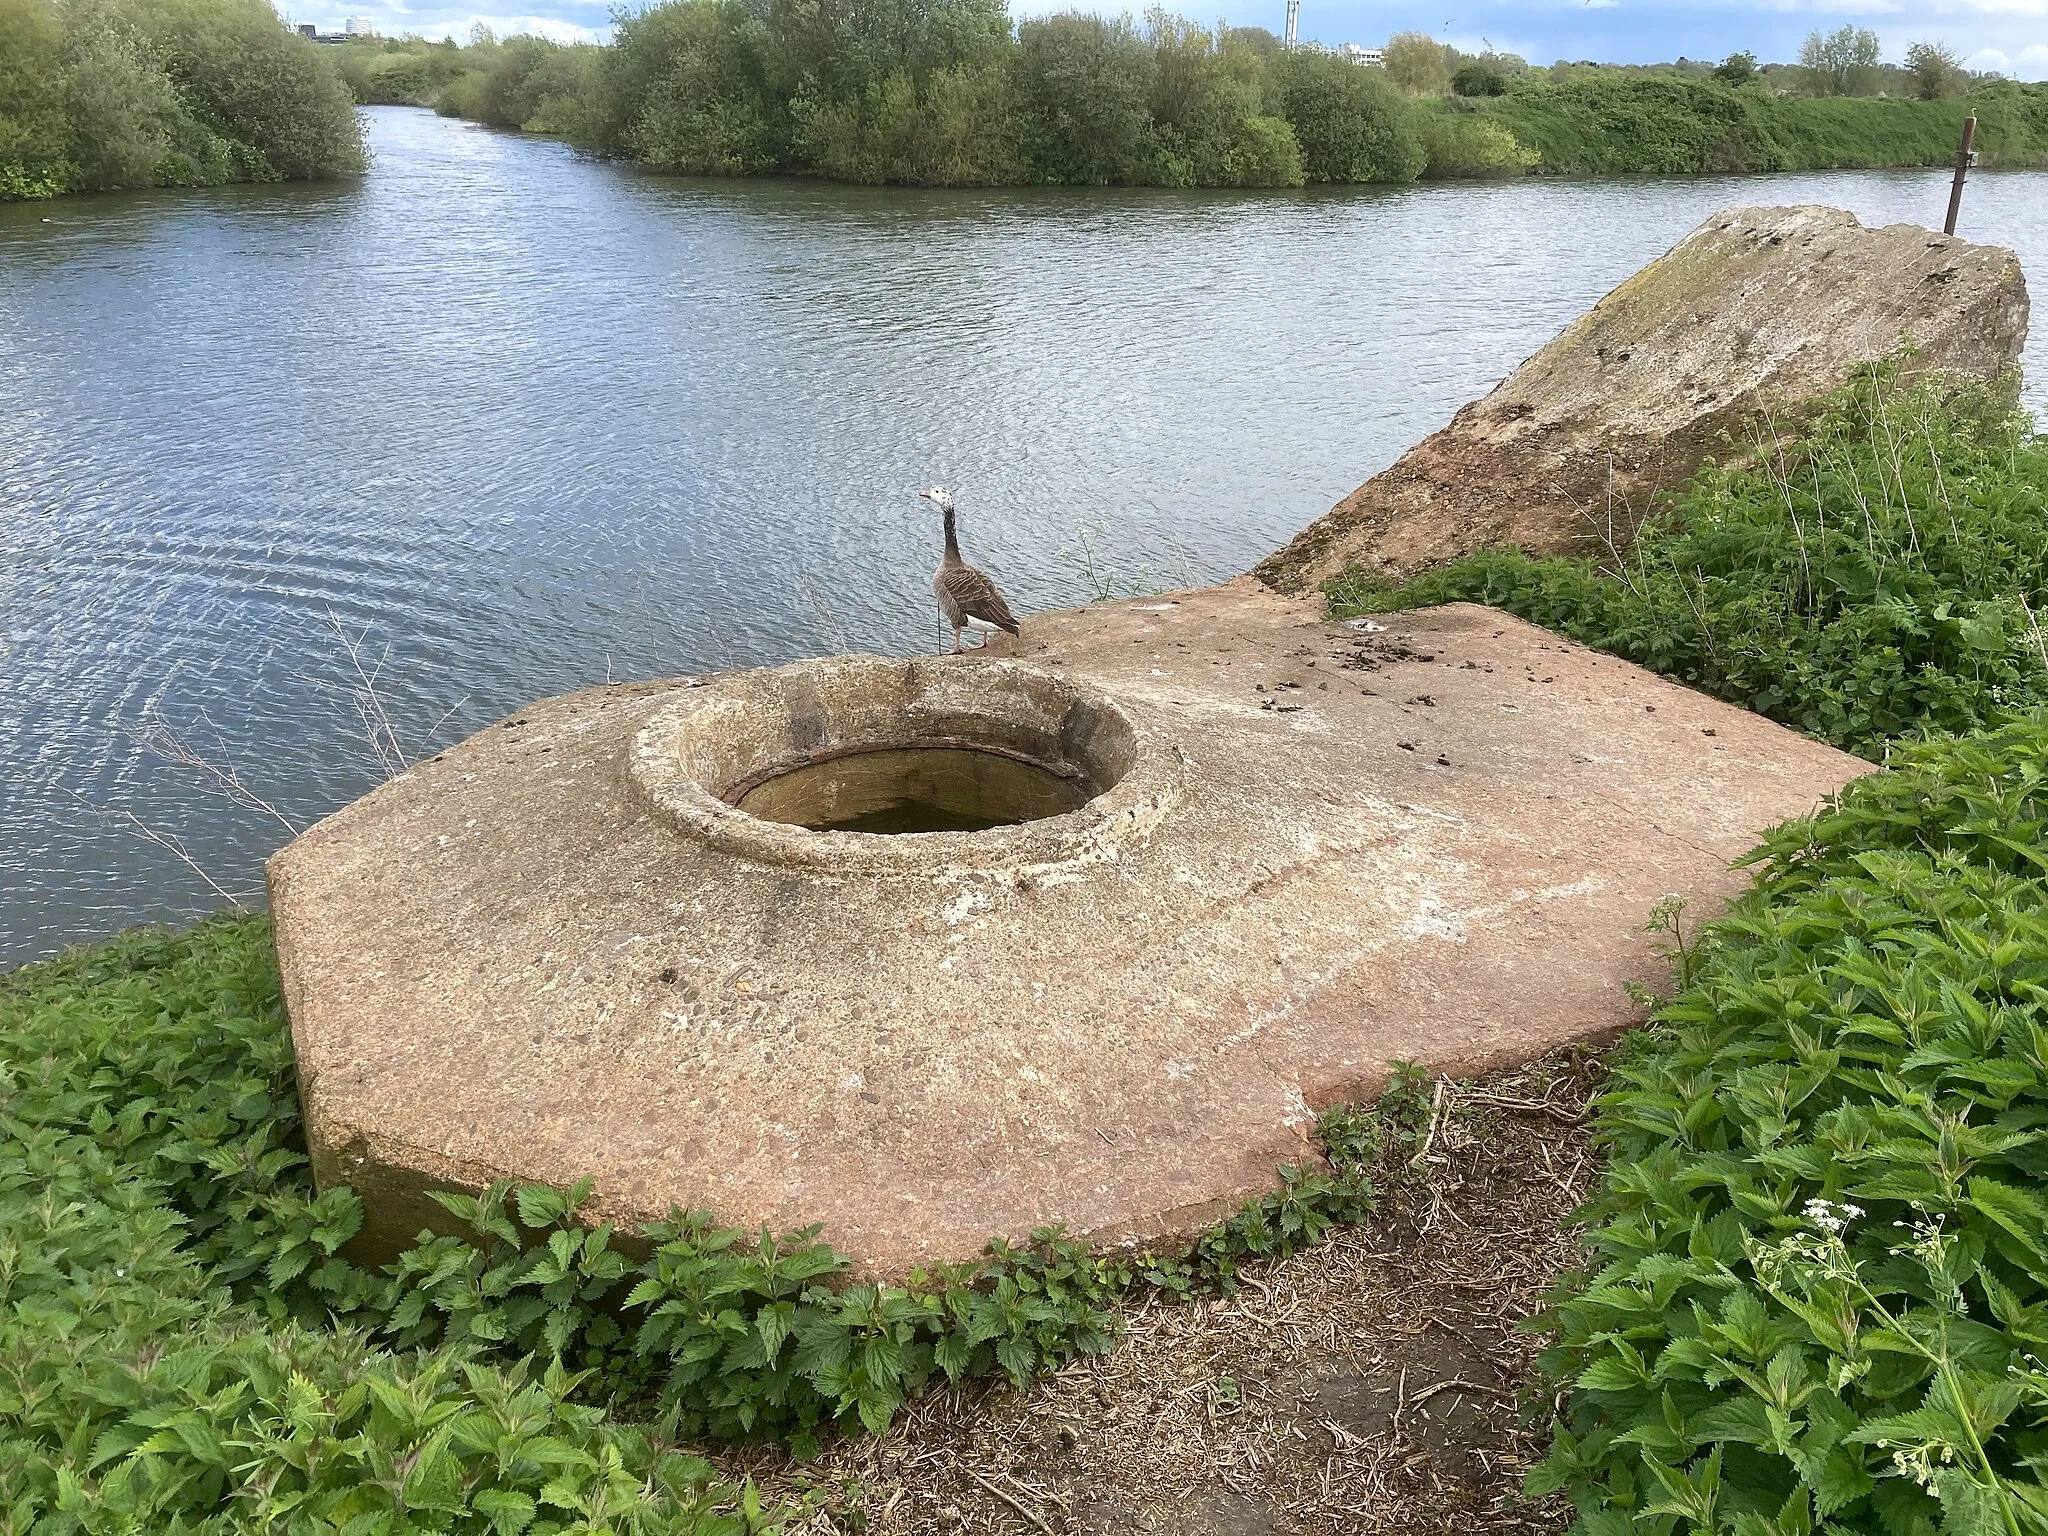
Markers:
{"x": 2031, "y": 62}
{"x": 1841, "y": 7}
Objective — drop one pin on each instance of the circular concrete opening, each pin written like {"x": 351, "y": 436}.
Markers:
{"x": 862, "y": 763}
{"x": 897, "y": 790}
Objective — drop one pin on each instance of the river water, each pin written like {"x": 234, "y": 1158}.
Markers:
{"x": 510, "y": 423}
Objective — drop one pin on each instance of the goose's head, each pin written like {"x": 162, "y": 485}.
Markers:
{"x": 939, "y": 496}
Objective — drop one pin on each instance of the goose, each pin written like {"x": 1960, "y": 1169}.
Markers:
{"x": 967, "y": 597}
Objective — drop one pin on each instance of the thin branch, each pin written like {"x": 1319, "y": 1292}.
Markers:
{"x": 167, "y": 841}
{"x": 217, "y": 777}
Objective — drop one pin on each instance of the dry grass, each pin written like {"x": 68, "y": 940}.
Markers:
{"x": 1377, "y": 1384}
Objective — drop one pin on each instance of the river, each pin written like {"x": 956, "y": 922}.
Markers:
{"x": 510, "y": 423}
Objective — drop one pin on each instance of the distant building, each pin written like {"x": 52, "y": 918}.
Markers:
{"x": 359, "y": 26}
{"x": 307, "y": 29}
{"x": 1357, "y": 55}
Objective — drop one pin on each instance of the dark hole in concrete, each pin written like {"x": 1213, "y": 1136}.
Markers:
{"x": 916, "y": 789}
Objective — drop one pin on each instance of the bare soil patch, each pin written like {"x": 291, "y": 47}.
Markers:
{"x": 1380, "y": 1383}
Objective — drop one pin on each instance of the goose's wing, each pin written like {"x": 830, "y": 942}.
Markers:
{"x": 976, "y": 596}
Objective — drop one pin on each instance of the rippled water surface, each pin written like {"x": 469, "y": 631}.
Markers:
{"x": 515, "y": 423}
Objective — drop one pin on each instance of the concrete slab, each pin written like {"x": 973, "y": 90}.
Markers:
{"x": 1345, "y": 847}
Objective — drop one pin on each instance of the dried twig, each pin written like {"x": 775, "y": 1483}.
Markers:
{"x": 217, "y": 775}
{"x": 1023, "y": 1509}
{"x": 170, "y": 842}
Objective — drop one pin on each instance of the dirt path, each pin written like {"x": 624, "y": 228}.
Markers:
{"x": 1377, "y": 1384}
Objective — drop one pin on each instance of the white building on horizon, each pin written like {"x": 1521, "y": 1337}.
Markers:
{"x": 359, "y": 26}
{"x": 1358, "y": 55}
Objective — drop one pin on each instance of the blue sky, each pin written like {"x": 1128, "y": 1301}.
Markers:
{"x": 2007, "y": 35}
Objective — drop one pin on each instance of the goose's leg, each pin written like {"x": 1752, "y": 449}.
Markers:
{"x": 958, "y": 649}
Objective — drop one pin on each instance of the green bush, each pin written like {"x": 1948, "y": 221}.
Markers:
{"x": 1082, "y": 92}
{"x": 133, "y": 93}
{"x": 954, "y": 132}
{"x": 1821, "y": 1293}
{"x": 684, "y": 88}
{"x": 1464, "y": 145}
{"x": 1349, "y": 122}
{"x": 167, "y": 1356}
{"x": 1882, "y": 577}
{"x": 406, "y": 72}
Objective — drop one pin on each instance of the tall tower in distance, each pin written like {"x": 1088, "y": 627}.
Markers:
{"x": 1293, "y": 24}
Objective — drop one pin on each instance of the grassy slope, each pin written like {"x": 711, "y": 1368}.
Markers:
{"x": 1656, "y": 124}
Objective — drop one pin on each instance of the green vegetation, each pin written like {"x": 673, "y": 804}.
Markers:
{"x": 1819, "y": 1300}
{"x": 950, "y": 92}
{"x": 107, "y": 93}
{"x": 1881, "y": 577}
{"x": 182, "y": 1347}
{"x": 159, "y": 93}
{"x": 939, "y": 92}
{"x": 1600, "y": 121}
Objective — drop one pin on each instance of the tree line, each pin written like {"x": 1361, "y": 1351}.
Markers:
{"x": 1846, "y": 62}
{"x": 938, "y": 92}
{"x": 112, "y": 93}
{"x": 956, "y": 93}
{"x": 155, "y": 93}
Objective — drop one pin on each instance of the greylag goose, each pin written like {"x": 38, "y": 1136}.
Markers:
{"x": 966, "y": 596}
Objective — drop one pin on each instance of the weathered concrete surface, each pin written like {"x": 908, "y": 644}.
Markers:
{"x": 1437, "y": 843}
{"x": 1757, "y": 311}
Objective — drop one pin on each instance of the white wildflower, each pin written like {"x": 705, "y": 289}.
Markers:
{"x": 1831, "y": 1217}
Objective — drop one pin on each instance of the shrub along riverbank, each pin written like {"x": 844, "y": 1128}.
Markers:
{"x": 160, "y": 93}
{"x": 1818, "y": 1300}
{"x": 952, "y": 93}
{"x": 121, "y": 93}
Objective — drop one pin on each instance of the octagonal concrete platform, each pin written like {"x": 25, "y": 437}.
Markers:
{"x": 1436, "y": 843}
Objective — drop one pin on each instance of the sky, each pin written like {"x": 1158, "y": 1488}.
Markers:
{"x": 2010, "y": 36}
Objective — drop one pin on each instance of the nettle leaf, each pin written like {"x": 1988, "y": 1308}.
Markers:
{"x": 774, "y": 1324}
{"x": 953, "y": 1353}
{"x": 2018, "y": 1211}
{"x": 540, "y": 1206}
{"x": 1741, "y": 1419}
{"x": 1613, "y": 1373}
{"x": 1970, "y": 1506}
{"x": 822, "y": 1343}
{"x": 1017, "y": 1356}
{"x": 510, "y": 1513}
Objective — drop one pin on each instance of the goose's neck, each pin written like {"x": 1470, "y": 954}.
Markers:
{"x": 952, "y": 538}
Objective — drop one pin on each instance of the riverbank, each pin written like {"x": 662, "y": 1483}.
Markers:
{"x": 133, "y": 94}
{"x": 1078, "y": 100}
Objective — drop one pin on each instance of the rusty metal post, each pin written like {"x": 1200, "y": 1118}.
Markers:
{"x": 1965, "y": 158}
